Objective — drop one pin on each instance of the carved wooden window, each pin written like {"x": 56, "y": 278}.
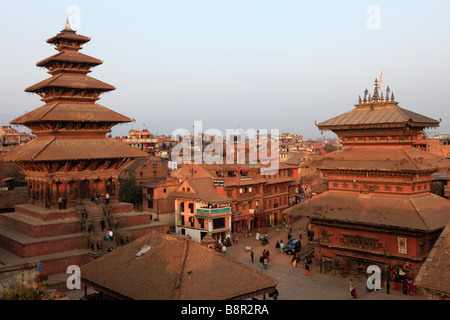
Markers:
{"x": 402, "y": 245}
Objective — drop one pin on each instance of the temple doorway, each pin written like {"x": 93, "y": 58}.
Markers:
{"x": 85, "y": 189}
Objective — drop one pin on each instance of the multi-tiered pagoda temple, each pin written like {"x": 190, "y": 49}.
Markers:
{"x": 379, "y": 209}
{"x": 71, "y": 157}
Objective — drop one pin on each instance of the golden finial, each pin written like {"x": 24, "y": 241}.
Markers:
{"x": 67, "y": 28}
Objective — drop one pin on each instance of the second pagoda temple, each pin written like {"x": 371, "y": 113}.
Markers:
{"x": 378, "y": 209}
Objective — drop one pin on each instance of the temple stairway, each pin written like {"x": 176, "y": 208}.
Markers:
{"x": 95, "y": 212}
{"x": 54, "y": 237}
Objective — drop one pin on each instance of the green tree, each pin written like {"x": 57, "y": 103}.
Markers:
{"x": 330, "y": 148}
{"x": 129, "y": 190}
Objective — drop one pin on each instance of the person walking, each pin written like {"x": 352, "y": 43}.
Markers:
{"x": 281, "y": 246}
{"x": 289, "y": 236}
{"x": 252, "y": 255}
{"x": 265, "y": 262}
{"x": 307, "y": 270}
{"x": 261, "y": 261}
{"x": 267, "y": 255}
{"x": 60, "y": 203}
{"x": 277, "y": 247}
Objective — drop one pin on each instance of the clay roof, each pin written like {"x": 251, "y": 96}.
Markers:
{"x": 425, "y": 213}
{"x": 380, "y": 159}
{"x": 175, "y": 268}
{"x": 378, "y": 117}
{"x": 71, "y": 56}
{"x": 68, "y": 36}
{"x": 243, "y": 182}
{"x": 71, "y": 112}
{"x": 54, "y": 149}
{"x": 434, "y": 275}
{"x": 71, "y": 81}
{"x": 202, "y": 189}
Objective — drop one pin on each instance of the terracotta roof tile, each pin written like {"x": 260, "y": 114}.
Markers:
{"x": 434, "y": 275}
{"x": 71, "y": 81}
{"x": 379, "y": 159}
{"x": 425, "y": 213}
{"x": 387, "y": 115}
{"x": 71, "y": 112}
{"x": 54, "y": 149}
{"x": 175, "y": 268}
{"x": 203, "y": 189}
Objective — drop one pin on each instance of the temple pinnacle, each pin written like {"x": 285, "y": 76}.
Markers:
{"x": 67, "y": 28}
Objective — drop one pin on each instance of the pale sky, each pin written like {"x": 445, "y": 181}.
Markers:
{"x": 250, "y": 64}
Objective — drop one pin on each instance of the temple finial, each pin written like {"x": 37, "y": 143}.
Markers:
{"x": 375, "y": 91}
{"x": 67, "y": 28}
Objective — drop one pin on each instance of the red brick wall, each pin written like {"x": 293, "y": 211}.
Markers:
{"x": 10, "y": 198}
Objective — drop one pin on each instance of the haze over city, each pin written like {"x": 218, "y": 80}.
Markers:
{"x": 249, "y": 64}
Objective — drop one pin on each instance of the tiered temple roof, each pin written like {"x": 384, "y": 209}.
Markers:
{"x": 378, "y": 178}
{"x": 71, "y": 128}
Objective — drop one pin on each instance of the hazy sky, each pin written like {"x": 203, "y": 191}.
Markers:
{"x": 260, "y": 64}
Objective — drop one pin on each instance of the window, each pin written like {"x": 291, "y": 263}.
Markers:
{"x": 150, "y": 204}
{"x": 164, "y": 190}
{"x": 402, "y": 246}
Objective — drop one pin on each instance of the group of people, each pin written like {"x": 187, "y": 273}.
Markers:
{"x": 263, "y": 259}
{"x": 98, "y": 198}
{"x": 398, "y": 276}
{"x": 279, "y": 246}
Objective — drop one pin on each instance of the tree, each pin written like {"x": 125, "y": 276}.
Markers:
{"x": 330, "y": 148}
{"x": 12, "y": 171}
{"x": 129, "y": 190}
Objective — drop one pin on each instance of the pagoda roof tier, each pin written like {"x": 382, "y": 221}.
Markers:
{"x": 424, "y": 213}
{"x": 62, "y": 149}
{"x": 71, "y": 81}
{"x": 68, "y": 35}
{"x": 377, "y": 115}
{"x": 70, "y": 56}
{"x": 392, "y": 160}
{"x": 71, "y": 112}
